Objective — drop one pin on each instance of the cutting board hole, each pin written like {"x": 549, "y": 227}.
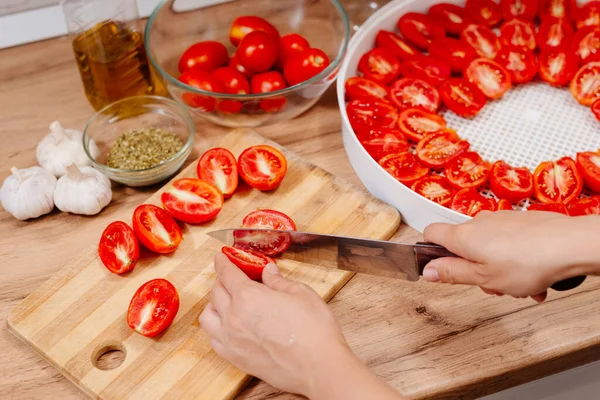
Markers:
{"x": 109, "y": 356}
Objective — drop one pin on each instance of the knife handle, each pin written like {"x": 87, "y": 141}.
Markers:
{"x": 426, "y": 252}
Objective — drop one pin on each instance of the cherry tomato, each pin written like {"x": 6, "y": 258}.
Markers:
{"x": 468, "y": 170}
{"x": 364, "y": 89}
{"x": 526, "y": 10}
{"x": 555, "y": 34}
{"x": 521, "y": 64}
{"x": 470, "y": 202}
{"x": 380, "y": 65}
{"x": 587, "y": 206}
{"x": 557, "y": 67}
{"x": 192, "y": 200}
{"x": 218, "y": 167}
{"x": 518, "y": 34}
{"x": 434, "y": 188}
{"x": 302, "y": 66}
{"x": 289, "y": 45}
{"x": 416, "y": 123}
{"x": 250, "y": 262}
{"x": 203, "y": 56}
{"x": 552, "y": 207}
{"x": 234, "y": 62}
{"x": 242, "y": 26}
{"x": 562, "y": 9}
{"x": 414, "y": 93}
{"x": 156, "y": 229}
{"x": 419, "y": 29}
{"x": 390, "y": 41}
{"x": 596, "y": 109}
{"x": 462, "y": 97}
{"x": 258, "y": 51}
{"x": 404, "y": 167}
{"x": 504, "y": 205}
{"x": 365, "y": 115}
{"x": 203, "y": 81}
{"x": 268, "y": 82}
{"x": 453, "y": 18}
{"x": 457, "y": 53}
{"x": 588, "y": 15}
{"x": 586, "y": 44}
{"x": 262, "y": 167}
{"x": 153, "y": 307}
{"x": 585, "y": 87}
{"x": 482, "y": 39}
{"x": 436, "y": 150}
{"x": 490, "y": 77}
{"x": 267, "y": 243}
{"x": 235, "y": 82}
{"x": 589, "y": 165}
{"x": 427, "y": 68}
{"x": 119, "y": 249}
{"x": 512, "y": 184}
{"x": 380, "y": 142}
{"x": 486, "y": 12}
{"x": 557, "y": 182}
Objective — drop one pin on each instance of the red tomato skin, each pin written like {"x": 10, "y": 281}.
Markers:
{"x": 453, "y": 93}
{"x": 587, "y": 206}
{"x": 203, "y": 81}
{"x": 305, "y": 65}
{"x": 114, "y": 234}
{"x": 371, "y": 59}
{"x": 444, "y": 137}
{"x": 470, "y": 202}
{"x": 427, "y": 68}
{"x": 242, "y": 26}
{"x": 234, "y": 81}
{"x": 497, "y": 71}
{"x": 289, "y": 45}
{"x": 588, "y": 15}
{"x": 399, "y": 87}
{"x": 589, "y": 166}
{"x": 504, "y": 205}
{"x": 453, "y": 18}
{"x": 557, "y": 67}
{"x": 246, "y": 173}
{"x": 563, "y": 9}
{"x": 380, "y": 142}
{"x": 522, "y": 9}
{"x": 141, "y": 231}
{"x": 165, "y": 294}
{"x": 252, "y": 270}
{"x": 555, "y": 33}
{"x": 469, "y": 160}
{"x": 567, "y": 164}
{"x": 203, "y": 57}
{"x": 473, "y": 34}
{"x": 234, "y": 62}
{"x": 404, "y": 167}
{"x": 215, "y": 157}
{"x": 209, "y": 192}
{"x": 399, "y": 47}
{"x": 550, "y": 207}
{"x": 365, "y": 115}
{"x": 456, "y": 52}
{"x": 523, "y": 188}
{"x": 364, "y": 89}
{"x": 491, "y": 17}
{"x": 415, "y": 123}
{"x": 518, "y": 34}
{"x": 513, "y": 58}
{"x": 586, "y": 44}
{"x": 258, "y": 51}
{"x": 591, "y": 69}
{"x": 596, "y": 109}
{"x": 268, "y": 82}
{"x": 439, "y": 182}
{"x": 419, "y": 29}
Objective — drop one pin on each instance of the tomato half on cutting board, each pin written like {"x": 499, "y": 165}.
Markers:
{"x": 512, "y": 184}
{"x": 435, "y": 188}
{"x": 193, "y": 201}
{"x": 521, "y": 64}
{"x": 486, "y": 12}
{"x": 380, "y": 65}
{"x": 153, "y": 307}
{"x": 414, "y": 93}
{"x": 587, "y": 206}
{"x": 552, "y": 207}
{"x": 364, "y": 89}
{"x": 481, "y": 39}
{"x": 218, "y": 166}
{"x": 404, "y": 167}
{"x": 490, "y": 77}
{"x": 119, "y": 248}
{"x": 589, "y": 165}
{"x": 156, "y": 229}
{"x": 468, "y": 170}
{"x": 462, "y": 97}
{"x": 252, "y": 263}
{"x": 456, "y": 52}
{"x": 380, "y": 142}
{"x": 557, "y": 182}
{"x": 557, "y": 67}
{"x": 518, "y": 34}
{"x": 416, "y": 123}
{"x": 268, "y": 243}
{"x": 367, "y": 114}
{"x": 523, "y": 9}
{"x": 436, "y": 150}
{"x": 453, "y": 18}
{"x": 394, "y": 43}
{"x": 420, "y": 29}
{"x": 555, "y": 34}
{"x": 242, "y": 26}
{"x": 585, "y": 87}
{"x": 262, "y": 167}
{"x": 470, "y": 202}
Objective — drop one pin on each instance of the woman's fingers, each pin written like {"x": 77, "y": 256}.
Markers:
{"x": 220, "y": 299}
{"x": 210, "y": 321}
{"x": 540, "y": 298}
{"x": 453, "y": 270}
{"x": 230, "y": 276}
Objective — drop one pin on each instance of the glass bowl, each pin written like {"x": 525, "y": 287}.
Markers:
{"x": 136, "y": 113}
{"x": 175, "y": 25}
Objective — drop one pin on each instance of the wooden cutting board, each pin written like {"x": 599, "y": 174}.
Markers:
{"x": 79, "y": 314}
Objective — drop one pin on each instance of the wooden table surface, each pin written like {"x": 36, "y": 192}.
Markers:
{"x": 429, "y": 341}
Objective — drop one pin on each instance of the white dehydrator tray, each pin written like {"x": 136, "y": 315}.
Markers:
{"x": 532, "y": 123}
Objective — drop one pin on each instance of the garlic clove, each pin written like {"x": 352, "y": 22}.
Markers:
{"x": 28, "y": 193}
{"x": 82, "y": 190}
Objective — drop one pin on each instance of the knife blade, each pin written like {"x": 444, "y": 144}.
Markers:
{"x": 368, "y": 256}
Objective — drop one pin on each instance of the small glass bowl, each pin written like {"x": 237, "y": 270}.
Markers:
{"x": 136, "y": 113}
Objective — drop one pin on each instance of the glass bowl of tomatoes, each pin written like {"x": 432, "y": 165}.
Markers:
{"x": 247, "y": 63}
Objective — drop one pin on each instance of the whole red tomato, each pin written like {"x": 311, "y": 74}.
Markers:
{"x": 302, "y": 66}
{"x": 203, "y": 56}
{"x": 204, "y": 81}
{"x": 267, "y": 82}
{"x": 242, "y": 26}
{"x": 258, "y": 51}
{"x": 234, "y": 62}
{"x": 288, "y": 46}
{"x": 234, "y": 81}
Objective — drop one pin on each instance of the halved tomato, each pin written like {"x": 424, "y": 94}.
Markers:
{"x": 490, "y": 77}
{"x": 427, "y": 68}
{"x": 486, "y": 12}
{"x": 596, "y": 109}
{"x": 512, "y": 184}
{"x": 504, "y": 205}
{"x": 468, "y": 170}
{"x": 380, "y": 142}
{"x": 267, "y": 243}
{"x": 219, "y": 167}
{"x": 557, "y": 67}
{"x": 521, "y": 64}
{"x": 523, "y": 9}
{"x": 404, "y": 167}
{"x": 586, "y": 44}
{"x": 436, "y": 150}
{"x": 435, "y": 188}
{"x": 482, "y": 39}
{"x": 453, "y": 18}
{"x": 119, "y": 249}
{"x": 364, "y": 89}
{"x": 557, "y": 182}
{"x": 252, "y": 263}
{"x": 153, "y": 307}
{"x": 470, "y": 202}
{"x": 156, "y": 229}
{"x": 456, "y": 52}
{"x": 192, "y": 200}
{"x": 589, "y": 165}
{"x": 563, "y": 9}
{"x": 419, "y": 29}
{"x": 262, "y": 167}
{"x": 380, "y": 65}
{"x": 555, "y": 34}
{"x": 585, "y": 87}
{"x": 394, "y": 43}
{"x": 365, "y": 115}
{"x": 587, "y": 206}
{"x": 552, "y": 207}
{"x": 416, "y": 123}
{"x": 588, "y": 15}
{"x": 518, "y": 34}
{"x": 462, "y": 97}
{"x": 414, "y": 93}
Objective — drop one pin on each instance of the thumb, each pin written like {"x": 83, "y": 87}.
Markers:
{"x": 452, "y": 270}
{"x": 271, "y": 277}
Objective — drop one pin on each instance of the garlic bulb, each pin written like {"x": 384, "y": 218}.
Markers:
{"x": 61, "y": 147}
{"x": 28, "y": 193}
{"x": 82, "y": 191}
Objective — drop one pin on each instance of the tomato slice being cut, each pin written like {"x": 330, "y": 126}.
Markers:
{"x": 380, "y": 142}
{"x": 589, "y": 165}
{"x": 482, "y": 39}
{"x": 557, "y": 182}
{"x": 414, "y": 93}
{"x": 453, "y": 18}
{"x": 518, "y": 34}
{"x": 596, "y": 109}
{"x": 380, "y": 65}
{"x": 119, "y": 249}
{"x": 268, "y": 243}
{"x": 587, "y": 206}
{"x": 504, "y": 205}
{"x": 490, "y": 77}
{"x": 250, "y": 262}
{"x": 427, "y": 68}
{"x": 552, "y": 207}
{"x": 470, "y": 202}
{"x": 420, "y": 29}
{"x": 462, "y": 97}
{"x": 193, "y": 201}
{"x": 404, "y": 167}
{"x": 364, "y": 89}
{"x": 416, "y": 123}
{"x": 586, "y": 44}
{"x": 436, "y": 150}
{"x": 365, "y": 115}
{"x": 555, "y": 34}
{"x": 468, "y": 170}
{"x": 153, "y": 307}
{"x": 394, "y": 43}
{"x": 219, "y": 167}
{"x": 523, "y": 9}
{"x": 588, "y": 15}
{"x": 156, "y": 229}
{"x": 262, "y": 167}
{"x": 521, "y": 64}
{"x": 486, "y": 12}
{"x": 435, "y": 188}
{"x": 456, "y": 52}
{"x": 562, "y": 9}
{"x": 557, "y": 67}
{"x": 585, "y": 86}
{"x": 512, "y": 184}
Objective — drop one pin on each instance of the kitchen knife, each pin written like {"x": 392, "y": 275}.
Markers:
{"x": 374, "y": 257}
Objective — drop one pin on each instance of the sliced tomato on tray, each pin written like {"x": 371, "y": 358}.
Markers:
{"x": 119, "y": 249}
{"x": 462, "y": 97}
{"x": 563, "y": 9}
{"x": 520, "y": 63}
{"x": 587, "y": 206}
{"x": 268, "y": 243}
{"x": 470, "y": 202}
{"x": 487, "y": 12}
{"x": 435, "y": 188}
{"x": 482, "y": 39}
{"x": 585, "y": 86}
{"x": 589, "y": 165}
{"x": 518, "y": 34}
{"x": 588, "y": 15}
{"x": 555, "y": 34}
{"x": 156, "y": 229}
{"x": 153, "y": 307}
{"x": 455, "y": 52}
{"x": 420, "y": 29}
{"x": 404, "y": 167}
{"x": 557, "y": 67}
{"x": 512, "y": 184}
{"x": 596, "y": 109}
{"x": 192, "y": 200}
{"x": 364, "y": 89}
{"x": 490, "y": 77}
{"x": 468, "y": 170}
{"x": 414, "y": 93}
{"x": 557, "y": 182}
{"x": 586, "y": 44}
{"x": 416, "y": 123}
{"x": 453, "y": 18}
{"x": 436, "y": 150}
{"x": 365, "y": 115}
{"x": 251, "y": 262}
{"x": 263, "y": 167}
{"x": 504, "y": 205}
{"x": 394, "y": 43}
{"x": 218, "y": 166}
{"x": 428, "y": 68}
{"x": 552, "y": 207}
{"x": 523, "y": 9}
{"x": 380, "y": 65}
{"x": 380, "y": 142}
